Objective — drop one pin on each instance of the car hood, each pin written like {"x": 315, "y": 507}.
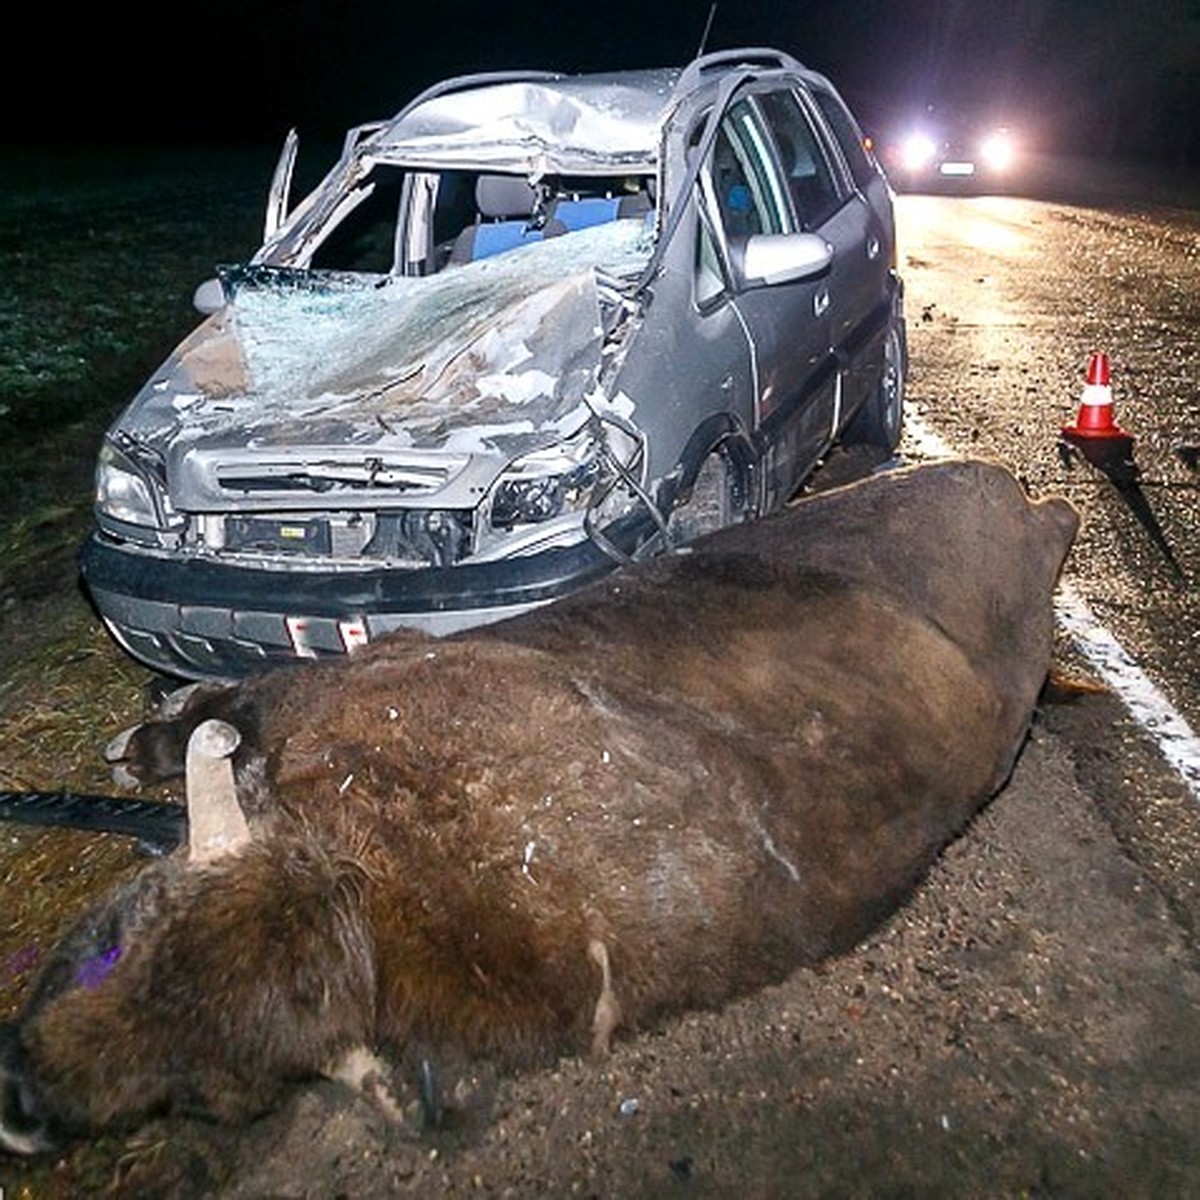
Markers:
{"x": 491, "y": 359}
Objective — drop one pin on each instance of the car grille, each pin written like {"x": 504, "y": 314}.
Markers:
{"x": 407, "y": 538}
{"x": 216, "y": 479}
{"x": 368, "y": 473}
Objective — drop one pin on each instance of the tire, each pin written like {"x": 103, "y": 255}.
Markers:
{"x": 880, "y": 421}
{"x": 717, "y": 499}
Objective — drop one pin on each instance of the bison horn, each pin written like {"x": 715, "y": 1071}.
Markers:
{"x": 216, "y": 823}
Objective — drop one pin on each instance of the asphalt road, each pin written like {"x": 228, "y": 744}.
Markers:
{"x": 1007, "y": 298}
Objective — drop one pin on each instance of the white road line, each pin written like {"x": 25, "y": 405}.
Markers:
{"x": 1174, "y": 738}
{"x": 1148, "y": 706}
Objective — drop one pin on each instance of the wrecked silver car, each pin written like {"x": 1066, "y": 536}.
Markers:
{"x": 530, "y": 328}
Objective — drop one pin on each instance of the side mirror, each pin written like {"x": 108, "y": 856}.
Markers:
{"x": 209, "y": 297}
{"x": 771, "y": 258}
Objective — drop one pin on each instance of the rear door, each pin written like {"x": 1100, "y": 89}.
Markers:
{"x": 834, "y": 202}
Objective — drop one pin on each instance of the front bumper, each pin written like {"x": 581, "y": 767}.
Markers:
{"x": 203, "y": 620}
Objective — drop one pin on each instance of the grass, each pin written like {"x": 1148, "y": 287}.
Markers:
{"x": 99, "y": 253}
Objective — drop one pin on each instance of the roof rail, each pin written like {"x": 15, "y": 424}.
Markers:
{"x": 750, "y": 56}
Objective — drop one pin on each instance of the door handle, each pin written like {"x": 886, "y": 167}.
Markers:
{"x": 821, "y": 302}
{"x": 872, "y": 247}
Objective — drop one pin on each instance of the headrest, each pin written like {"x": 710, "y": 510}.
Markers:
{"x": 505, "y": 196}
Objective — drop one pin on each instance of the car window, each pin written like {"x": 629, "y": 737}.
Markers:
{"x": 811, "y": 181}
{"x": 743, "y": 192}
{"x": 710, "y": 280}
{"x": 365, "y": 239}
{"x": 849, "y": 136}
{"x": 749, "y": 193}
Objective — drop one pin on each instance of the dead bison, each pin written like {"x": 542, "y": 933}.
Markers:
{"x": 669, "y": 789}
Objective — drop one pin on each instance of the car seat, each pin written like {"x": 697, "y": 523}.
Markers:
{"x": 507, "y": 207}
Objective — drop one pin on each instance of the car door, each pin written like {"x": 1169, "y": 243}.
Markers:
{"x": 787, "y": 324}
{"x": 827, "y": 202}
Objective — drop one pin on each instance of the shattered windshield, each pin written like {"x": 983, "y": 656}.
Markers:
{"x": 354, "y": 337}
{"x": 514, "y": 338}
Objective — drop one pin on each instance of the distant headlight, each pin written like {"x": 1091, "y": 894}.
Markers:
{"x": 547, "y": 483}
{"x": 918, "y": 151}
{"x": 997, "y": 151}
{"x": 123, "y": 492}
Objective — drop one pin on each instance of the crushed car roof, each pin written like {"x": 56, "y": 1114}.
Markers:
{"x": 567, "y": 124}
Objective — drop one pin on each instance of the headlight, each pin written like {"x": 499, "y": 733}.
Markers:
{"x": 123, "y": 491}
{"x": 918, "y": 151}
{"x": 997, "y": 151}
{"x": 547, "y": 483}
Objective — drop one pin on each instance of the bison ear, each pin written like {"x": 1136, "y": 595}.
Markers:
{"x": 216, "y": 823}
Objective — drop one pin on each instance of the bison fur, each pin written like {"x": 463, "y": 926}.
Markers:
{"x": 665, "y": 790}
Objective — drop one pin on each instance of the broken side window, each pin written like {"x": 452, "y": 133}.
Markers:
{"x": 364, "y": 241}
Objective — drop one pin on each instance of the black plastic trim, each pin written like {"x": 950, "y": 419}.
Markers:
{"x": 152, "y": 577}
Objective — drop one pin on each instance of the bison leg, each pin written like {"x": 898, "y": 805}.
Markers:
{"x": 608, "y": 1009}
{"x": 363, "y": 1071}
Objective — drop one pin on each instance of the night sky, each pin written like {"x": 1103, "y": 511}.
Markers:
{"x": 1107, "y": 76}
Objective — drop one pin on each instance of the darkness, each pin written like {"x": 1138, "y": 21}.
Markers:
{"x": 1089, "y": 76}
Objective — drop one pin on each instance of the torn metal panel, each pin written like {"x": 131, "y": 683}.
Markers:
{"x": 568, "y": 126}
{"x": 281, "y": 186}
{"x": 494, "y": 358}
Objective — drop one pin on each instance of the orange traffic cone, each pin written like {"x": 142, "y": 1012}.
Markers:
{"x": 1095, "y": 434}
{"x": 1095, "y": 419}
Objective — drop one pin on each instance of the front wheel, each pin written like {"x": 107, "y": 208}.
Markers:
{"x": 718, "y": 498}
{"x": 880, "y": 421}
